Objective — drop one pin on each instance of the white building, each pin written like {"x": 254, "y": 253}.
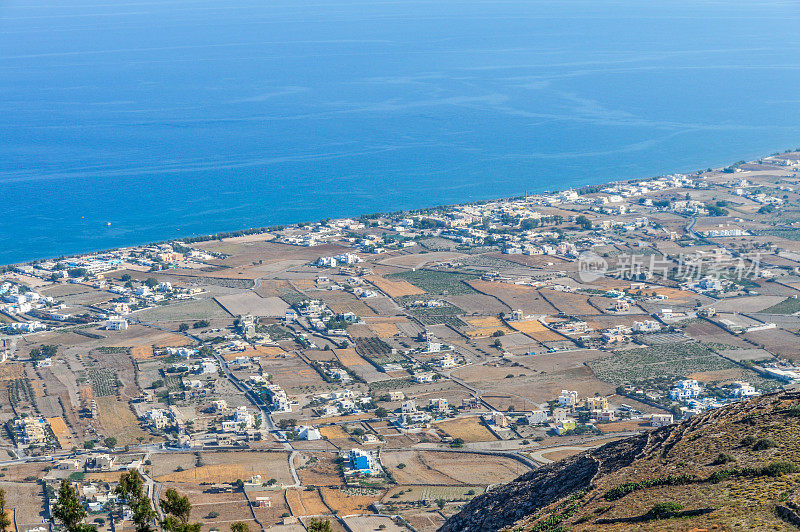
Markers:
{"x": 116, "y": 323}
{"x": 684, "y": 390}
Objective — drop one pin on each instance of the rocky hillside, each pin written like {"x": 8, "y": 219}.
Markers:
{"x": 734, "y": 468}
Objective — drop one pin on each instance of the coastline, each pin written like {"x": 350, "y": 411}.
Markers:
{"x": 200, "y": 237}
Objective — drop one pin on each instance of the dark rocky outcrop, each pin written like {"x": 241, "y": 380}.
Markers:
{"x": 667, "y": 448}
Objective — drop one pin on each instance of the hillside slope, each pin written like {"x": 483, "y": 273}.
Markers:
{"x": 734, "y": 468}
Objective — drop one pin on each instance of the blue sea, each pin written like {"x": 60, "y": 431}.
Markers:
{"x": 168, "y": 118}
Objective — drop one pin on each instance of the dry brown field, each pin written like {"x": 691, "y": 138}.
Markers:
{"x": 708, "y": 332}
{"x": 536, "y": 330}
{"x": 342, "y": 302}
{"x": 230, "y": 466}
{"x": 448, "y": 468}
{"x": 61, "y": 432}
{"x": 572, "y": 304}
{"x": 333, "y": 432}
{"x": 347, "y": 501}
{"x": 119, "y": 421}
{"x": 777, "y": 341}
{"x": 303, "y": 502}
{"x": 470, "y": 429}
{"x": 10, "y": 371}
{"x": 477, "y": 304}
{"x": 317, "y": 469}
{"x": 292, "y": 373}
{"x": 231, "y": 506}
{"x": 349, "y": 357}
{"x": 25, "y": 498}
{"x": 142, "y": 352}
{"x": 514, "y": 296}
{"x": 485, "y": 327}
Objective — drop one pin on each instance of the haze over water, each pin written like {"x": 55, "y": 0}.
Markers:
{"x": 168, "y": 118}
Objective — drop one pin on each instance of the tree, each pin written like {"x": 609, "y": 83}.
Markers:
{"x": 151, "y": 282}
{"x": 178, "y": 508}
{"x": 131, "y": 487}
{"x": 381, "y": 412}
{"x": 110, "y": 442}
{"x": 88, "y": 444}
{"x": 5, "y": 522}
{"x": 177, "y": 505}
{"x": 584, "y": 222}
{"x": 143, "y": 514}
{"x": 238, "y": 526}
{"x": 77, "y": 272}
{"x": 287, "y": 423}
{"x": 68, "y": 508}
{"x": 183, "y": 327}
{"x": 44, "y": 352}
{"x": 318, "y": 525}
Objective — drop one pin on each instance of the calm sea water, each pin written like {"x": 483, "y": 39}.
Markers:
{"x": 168, "y": 118}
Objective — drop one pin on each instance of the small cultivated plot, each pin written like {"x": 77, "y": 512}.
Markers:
{"x": 350, "y": 500}
{"x": 394, "y": 287}
{"x": 437, "y": 282}
{"x": 26, "y": 500}
{"x": 370, "y": 523}
{"x": 486, "y": 326}
{"x": 469, "y": 429}
{"x": 318, "y": 469}
{"x": 413, "y": 494}
{"x": 449, "y": 468}
{"x": 228, "y": 467}
{"x": 118, "y": 420}
{"x": 305, "y": 502}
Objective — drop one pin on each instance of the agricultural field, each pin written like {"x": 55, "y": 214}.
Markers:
{"x": 437, "y": 282}
{"x": 61, "y": 432}
{"x": 370, "y": 523}
{"x": 444, "y": 315}
{"x": 516, "y": 297}
{"x": 251, "y": 303}
{"x": 478, "y": 304}
{"x": 318, "y": 469}
{"x": 776, "y": 341}
{"x": 790, "y": 305}
{"x": 449, "y": 468}
{"x": 668, "y": 360}
{"x": 184, "y": 311}
{"x": 487, "y": 326}
{"x": 227, "y": 467}
{"x": 305, "y": 502}
{"x": 350, "y": 500}
{"x": 709, "y": 332}
{"x": 376, "y": 350}
{"x": 119, "y": 421}
{"x": 574, "y": 304}
{"x": 536, "y": 330}
{"x": 432, "y": 493}
{"x": 394, "y": 287}
{"x": 104, "y": 381}
{"x": 470, "y": 429}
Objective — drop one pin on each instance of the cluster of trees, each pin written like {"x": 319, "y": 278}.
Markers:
{"x": 43, "y": 352}
{"x": 201, "y": 324}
